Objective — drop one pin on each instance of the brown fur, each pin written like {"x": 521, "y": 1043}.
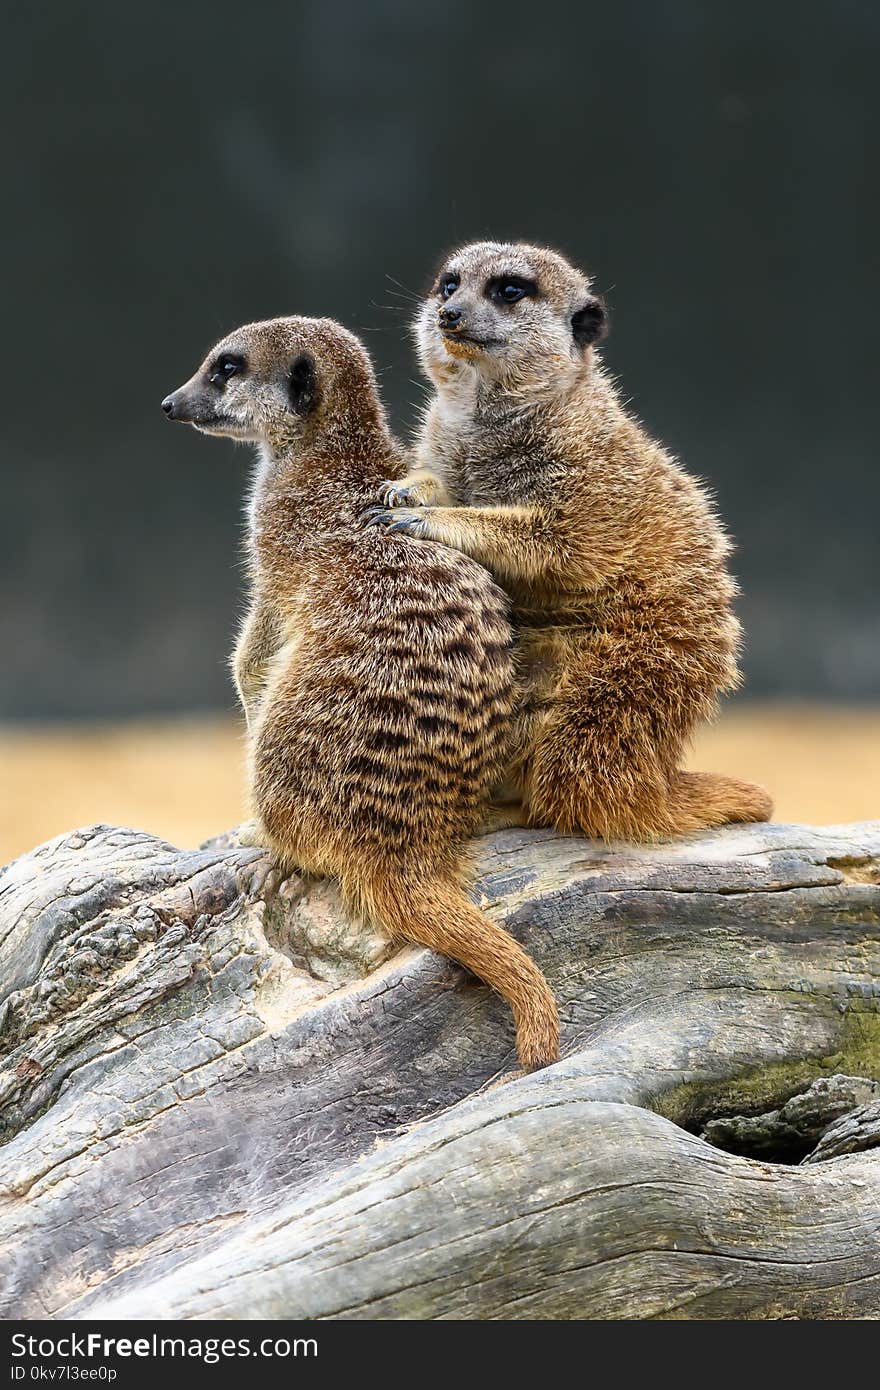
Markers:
{"x": 376, "y": 673}
{"x": 613, "y": 555}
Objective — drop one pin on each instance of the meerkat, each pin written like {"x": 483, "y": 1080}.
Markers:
{"x": 376, "y": 673}
{"x": 613, "y": 555}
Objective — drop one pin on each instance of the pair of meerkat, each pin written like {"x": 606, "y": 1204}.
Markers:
{"x": 612, "y": 554}
{"x": 376, "y": 674}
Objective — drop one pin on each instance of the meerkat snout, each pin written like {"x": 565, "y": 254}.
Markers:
{"x": 211, "y": 400}
{"x": 180, "y": 406}
{"x": 449, "y": 318}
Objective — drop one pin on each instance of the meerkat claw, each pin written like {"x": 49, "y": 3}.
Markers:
{"x": 390, "y": 494}
{"x": 409, "y": 525}
{"x": 391, "y": 519}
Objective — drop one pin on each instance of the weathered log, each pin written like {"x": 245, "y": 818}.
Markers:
{"x": 221, "y": 1099}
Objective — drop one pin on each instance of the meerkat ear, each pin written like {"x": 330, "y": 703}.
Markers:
{"x": 302, "y": 387}
{"x": 589, "y": 324}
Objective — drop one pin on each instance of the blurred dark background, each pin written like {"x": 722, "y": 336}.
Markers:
{"x": 171, "y": 172}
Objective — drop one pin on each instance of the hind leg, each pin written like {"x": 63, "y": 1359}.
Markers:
{"x": 597, "y": 783}
{"x": 613, "y": 784}
{"x": 604, "y": 758}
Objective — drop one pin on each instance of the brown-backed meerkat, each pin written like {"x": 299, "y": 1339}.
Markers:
{"x": 377, "y": 673}
{"x": 613, "y": 555}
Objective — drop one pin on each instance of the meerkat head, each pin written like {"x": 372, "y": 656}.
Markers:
{"x": 508, "y": 311}
{"x": 272, "y": 382}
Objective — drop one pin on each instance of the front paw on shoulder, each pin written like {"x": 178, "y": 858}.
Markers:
{"x": 399, "y": 493}
{"x": 397, "y": 520}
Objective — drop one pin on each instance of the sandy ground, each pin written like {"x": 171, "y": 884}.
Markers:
{"x": 183, "y": 779}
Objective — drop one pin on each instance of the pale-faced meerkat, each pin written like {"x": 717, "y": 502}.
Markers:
{"x": 376, "y": 672}
{"x": 613, "y": 555}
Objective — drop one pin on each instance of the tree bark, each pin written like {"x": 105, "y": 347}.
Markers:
{"x": 221, "y": 1099}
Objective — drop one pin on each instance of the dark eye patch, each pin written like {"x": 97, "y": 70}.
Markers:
{"x": 447, "y": 284}
{"x": 228, "y": 364}
{"x": 510, "y": 289}
{"x": 303, "y": 384}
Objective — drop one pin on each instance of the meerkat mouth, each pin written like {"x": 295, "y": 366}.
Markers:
{"x": 464, "y": 344}
{"x": 217, "y": 424}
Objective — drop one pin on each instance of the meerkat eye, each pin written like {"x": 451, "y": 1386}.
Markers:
{"x": 510, "y": 289}
{"x": 227, "y": 364}
{"x": 448, "y": 285}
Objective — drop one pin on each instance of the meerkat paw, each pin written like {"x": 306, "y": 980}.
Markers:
{"x": 399, "y": 520}
{"x": 509, "y": 817}
{"x": 399, "y": 493}
{"x": 252, "y": 836}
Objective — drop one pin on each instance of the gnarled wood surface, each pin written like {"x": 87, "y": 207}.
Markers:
{"x": 220, "y": 1099}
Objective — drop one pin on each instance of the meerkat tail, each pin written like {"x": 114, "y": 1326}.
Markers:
{"x": 704, "y": 799}
{"x": 436, "y": 914}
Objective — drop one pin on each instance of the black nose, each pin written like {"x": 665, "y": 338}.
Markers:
{"x": 449, "y": 317}
{"x": 168, "y": 407}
